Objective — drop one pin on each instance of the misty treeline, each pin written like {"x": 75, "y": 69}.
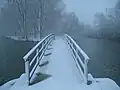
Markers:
{"x": 108, "y": 23}
{"x": 37, "y": 18}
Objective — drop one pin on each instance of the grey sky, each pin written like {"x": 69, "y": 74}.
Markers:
{"x": 1, "y": 2}
{"x": 85, "y": 9}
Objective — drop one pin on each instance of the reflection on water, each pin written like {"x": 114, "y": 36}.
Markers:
{"x": 105, "y": 57}
{"x": 11, "y": 62}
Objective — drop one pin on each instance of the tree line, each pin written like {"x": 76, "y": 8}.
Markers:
{"x": 38, "y": 18}
{"x": 107, "y": 24}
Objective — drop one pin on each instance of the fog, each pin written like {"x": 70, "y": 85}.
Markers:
{"x": 1, "y": 2}
{"x": 85, "y": 9}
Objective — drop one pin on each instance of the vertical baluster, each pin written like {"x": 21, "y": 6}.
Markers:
{"x": 42, "y": 44}
{"x": 54, "y": 37}
{"x": 27, "y": 70}
{"x": 37, "y": 53}
{"x": 86, "y": 72}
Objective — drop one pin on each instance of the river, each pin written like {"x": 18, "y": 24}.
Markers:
{"x": 11, "y": 58}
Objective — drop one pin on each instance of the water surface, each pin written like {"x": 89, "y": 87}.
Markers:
{"x": 11, "y": 58}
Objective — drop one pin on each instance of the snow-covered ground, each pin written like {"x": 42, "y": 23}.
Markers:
{"x": 64, "y": 74}
{"x": 19, "y": 38}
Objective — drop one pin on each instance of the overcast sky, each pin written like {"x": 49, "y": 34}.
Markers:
{"x": 1, "y": 2}
{"x": 85, "y": 9}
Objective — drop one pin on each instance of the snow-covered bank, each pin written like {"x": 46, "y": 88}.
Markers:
{"x": 8, "y": 85}
{"x": 53, "y": 84}
{"x": 19, "y": 38}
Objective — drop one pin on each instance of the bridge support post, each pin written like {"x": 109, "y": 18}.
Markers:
{"x": 27, "y": 72}
{"x": 37, "y": 52}
{"x": 86, "y": 72}
{"x": 32, "y": 62}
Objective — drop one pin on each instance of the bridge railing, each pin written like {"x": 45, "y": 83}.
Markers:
{"x": 33, "y": 57}
{"x": 80, "y": 57}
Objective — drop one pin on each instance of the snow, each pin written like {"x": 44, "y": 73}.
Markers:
{"x": 8, "y": 85}
{"x": 82, "y": 52}
{"x": 62, "y": 66}
{"x": 35, "y": 47}
{"x": 64, "y": 73}
{"x": 19, "y": 38}
{"x": 101, "y": 84}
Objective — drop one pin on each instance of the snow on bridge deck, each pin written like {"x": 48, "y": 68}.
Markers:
{"x": 64, "y": 73}
{"x": 62, "y": 68}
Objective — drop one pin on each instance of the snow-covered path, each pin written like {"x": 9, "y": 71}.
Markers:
{"x": 62, "y": 66}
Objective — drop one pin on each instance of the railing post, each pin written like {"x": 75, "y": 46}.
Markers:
{"x": 86, "y": 72}
{"x": 78, "y": 50}
{"x": 27, "y": 71}
{"x": 26, "y": 57}
{"x": 53, "y": 37}
{"x": 37, "y": 53}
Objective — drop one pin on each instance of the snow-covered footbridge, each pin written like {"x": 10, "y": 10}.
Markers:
{"x": 58, "y": 63}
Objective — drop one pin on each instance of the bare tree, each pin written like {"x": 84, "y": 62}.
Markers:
{"x": 39, "y": 13}
{"x": 22, "y": 22}
{"x": 40, "y": 17}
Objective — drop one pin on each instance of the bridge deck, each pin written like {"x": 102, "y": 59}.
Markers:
{"x": 61, "y": 67}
